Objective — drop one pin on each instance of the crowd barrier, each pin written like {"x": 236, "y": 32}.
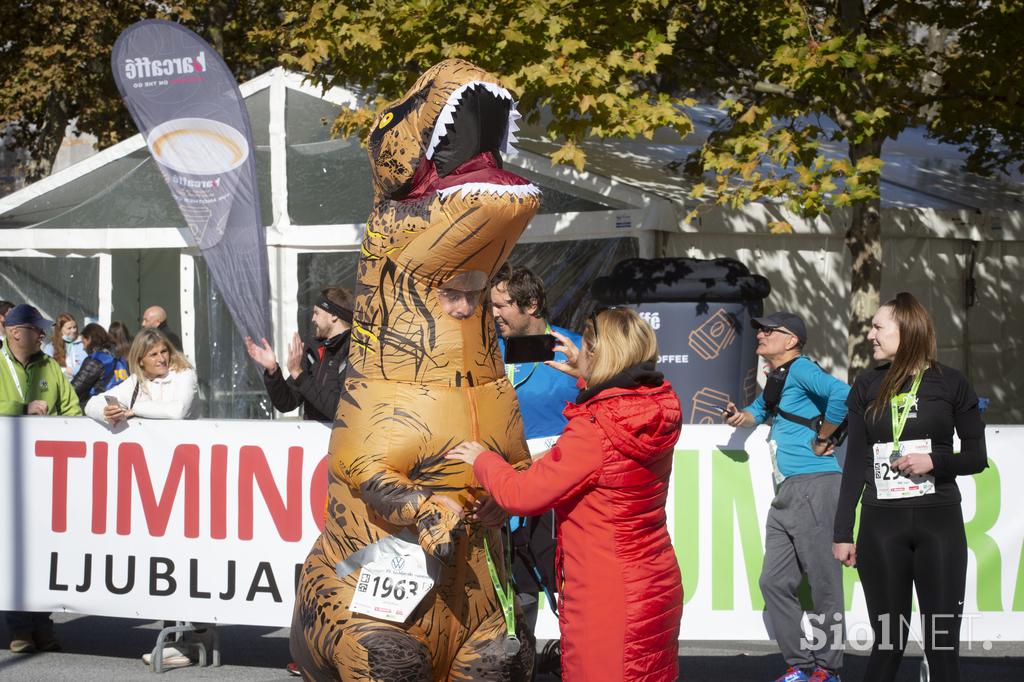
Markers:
{"x": 210, "y": 521}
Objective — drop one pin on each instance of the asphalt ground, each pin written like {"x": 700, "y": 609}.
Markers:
{"x": 96, "y": 648}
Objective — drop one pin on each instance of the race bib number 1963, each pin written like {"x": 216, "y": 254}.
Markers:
{"x": 391, "y": 587}
{"x": 893, "y": 485}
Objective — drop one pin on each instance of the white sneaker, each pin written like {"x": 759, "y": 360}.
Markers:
{"x": 173, "y": 657}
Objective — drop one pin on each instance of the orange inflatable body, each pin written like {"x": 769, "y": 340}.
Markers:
{"x": 424, "y": 375}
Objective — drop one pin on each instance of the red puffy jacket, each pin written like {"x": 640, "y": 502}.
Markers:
{"x": 620, "y": 592}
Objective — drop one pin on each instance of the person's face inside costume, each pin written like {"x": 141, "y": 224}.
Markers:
{"x": 511, "y": 319}
{"x": 884, "y": 335}
{"x": 458, "y": 304}
{"x": 69, "y": 332}
{"x": 323, "y": 323}
{"x": 156, "y": 362}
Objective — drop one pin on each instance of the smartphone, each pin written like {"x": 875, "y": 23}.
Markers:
{"x": 532, "y": 348}
{"x": 111, "y": 400}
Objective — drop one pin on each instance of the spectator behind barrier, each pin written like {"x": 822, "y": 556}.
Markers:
{"x": 31, "y": 383}
{"x": 101, "y": 370}
{"x": 607, "y": 480}
{"x": 121, "y": 339}
{"x": 162, "y": 384}
{"x": 155, "y": 317}
{"x": 316, "y": 372}
{"x": 65, "y": 346}
{"x": 5, "y": 307}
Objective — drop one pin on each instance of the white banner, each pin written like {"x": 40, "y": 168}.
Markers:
{"x": 210, "y": 520}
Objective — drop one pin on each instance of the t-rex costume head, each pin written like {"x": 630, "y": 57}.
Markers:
{"x": 424, "y": 375}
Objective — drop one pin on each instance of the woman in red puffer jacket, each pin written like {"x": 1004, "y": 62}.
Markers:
{"x": 620, "y": 593}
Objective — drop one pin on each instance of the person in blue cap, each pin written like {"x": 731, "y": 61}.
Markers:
{"x": 31, "y": 383}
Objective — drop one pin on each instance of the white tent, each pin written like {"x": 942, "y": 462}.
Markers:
{"x": 103, "y": 239}
{"x": 941, "y": 227}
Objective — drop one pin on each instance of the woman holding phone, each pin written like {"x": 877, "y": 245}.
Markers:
{"x": 162, "y": 384}
{"x": 619, "y": 589}
{"x": 902, "y": 415}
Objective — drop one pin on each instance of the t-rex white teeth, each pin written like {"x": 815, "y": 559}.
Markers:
{"x": 528, "y": 190}
{"x": 447, "y": 115}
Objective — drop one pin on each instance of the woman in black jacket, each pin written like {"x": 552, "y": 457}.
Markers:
{"x": 902, "y": 415}
{"x": 102, "y": 369}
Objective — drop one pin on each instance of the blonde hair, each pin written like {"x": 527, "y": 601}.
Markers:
{"x": 144, "y": 342}
{"x": 620, "y": 340}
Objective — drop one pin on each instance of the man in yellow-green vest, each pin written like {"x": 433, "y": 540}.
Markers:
{"x": 31, "y": 383}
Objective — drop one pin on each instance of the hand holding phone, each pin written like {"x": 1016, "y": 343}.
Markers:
{"x": 114, "y": 412}
{"x": 531, "y": 348}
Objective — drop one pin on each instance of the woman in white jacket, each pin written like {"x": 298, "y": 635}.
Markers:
{"x": 162, "y": 384}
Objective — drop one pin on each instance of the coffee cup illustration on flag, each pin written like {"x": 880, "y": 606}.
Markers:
{"x": 186, "y": 103}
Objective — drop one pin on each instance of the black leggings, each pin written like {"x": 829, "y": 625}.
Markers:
{"x": 898, "y": 548}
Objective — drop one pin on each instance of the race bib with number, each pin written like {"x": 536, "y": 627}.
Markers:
{"x": 391, "y": 587}
{"x": 893, "y": 485}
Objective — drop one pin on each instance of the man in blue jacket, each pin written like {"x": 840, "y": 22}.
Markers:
{"x": 806, "y": 406}
{"x": 519, "y": 304}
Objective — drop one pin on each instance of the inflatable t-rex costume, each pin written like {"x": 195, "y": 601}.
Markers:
{"x": 424, "y": 375}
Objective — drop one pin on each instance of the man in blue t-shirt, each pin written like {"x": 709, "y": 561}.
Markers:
{"x": 806, "y": 406}
{"x": 520, "y": 309}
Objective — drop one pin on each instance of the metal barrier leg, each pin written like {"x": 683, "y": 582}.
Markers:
{"x": 187, "y": 645}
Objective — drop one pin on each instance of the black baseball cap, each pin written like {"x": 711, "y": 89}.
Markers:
{"x": 26, "y": 315}
{"x": 783, "y": 318}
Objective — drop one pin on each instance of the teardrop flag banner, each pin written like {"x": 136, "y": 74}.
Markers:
{"x": 186, "y": 103}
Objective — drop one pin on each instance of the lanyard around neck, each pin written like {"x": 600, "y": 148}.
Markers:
{"x": 900, "y": 406}
{"x": 506, "y": 594}
{"x": 22, "y": 390}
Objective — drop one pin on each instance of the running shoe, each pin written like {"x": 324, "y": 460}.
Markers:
{"x": 22, "y": 642}
{"x": 792, "y": 674}
{"x": 823, "y": 675}
{"x": 173, "y": 657}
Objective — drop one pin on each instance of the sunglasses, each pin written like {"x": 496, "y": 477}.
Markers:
{"x": 768, "y": 331}
{"x": 593, "y": 317}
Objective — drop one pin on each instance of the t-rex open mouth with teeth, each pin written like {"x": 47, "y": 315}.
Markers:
{"x": 464, "y": 129}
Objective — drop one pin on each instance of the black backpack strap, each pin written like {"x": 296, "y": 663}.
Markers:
{"x": 135, "y": 394}
{"x": 813, "y": 423}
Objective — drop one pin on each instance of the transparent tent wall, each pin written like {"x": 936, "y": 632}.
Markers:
{"x": 567, "y": 268}
{"x": 230, "y": 383}
{"x": 318, "y": 271}
{"x": 54, "y": 285}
